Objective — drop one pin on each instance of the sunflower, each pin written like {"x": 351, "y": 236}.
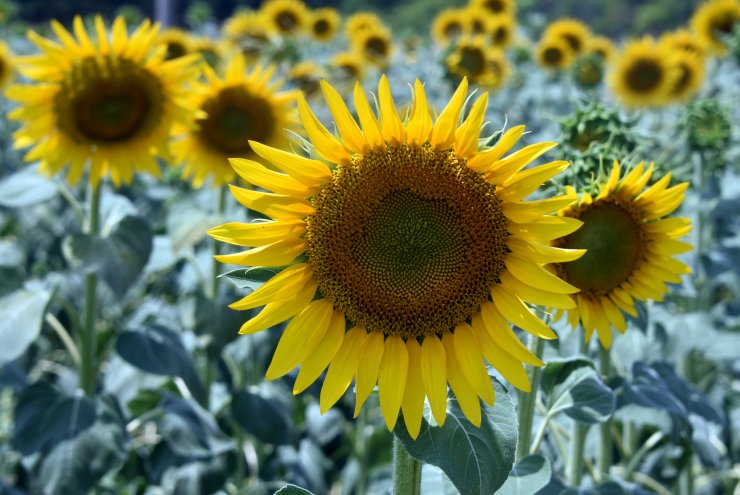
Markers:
{"x": 307, "y": 76}
{"x": 401, "y": 261}
{"x": 691, "y": 75}
{"x": 349, "y": 65}
{"x": 683, "y": 39}
{"x": 374, "y": 44}
{"x": 554, "y": 53}
{"x": 629, "y": 248}
{"x": 643, "y": 75}
{"x": 477, "y": 20}
{"x": 449, "y": 25}
{"x": 713, "y": 21}
{"x": 241, "y": 106}
{"x": 109, "y": 102}
{"x": 177, "y": 42}
{"x": 245, "y": 25}
{"x": 506, "y": 7}
{"x": 471, "y": 59}
{"x": 500, "y": 30}
{"x": 286, "y": 17}
{"x": 6, "y": 65}
{"x": 210, "y": 51}
{"x": 573, "y": 31}
{"x": 601, "y": 46}
{"x": 323, "y": 23}
{"x": 499, "y": 66}
{"x": 360, "y": 21}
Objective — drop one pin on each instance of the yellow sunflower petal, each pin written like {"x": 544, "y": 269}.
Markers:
{"x": 319, "y": 359}
{"x": 368, "y": 367}
{"x": 342, "y": 368}
{"x": 434, "y": 376}
{"x": 413, "y": 394}
{"x": 443, "y": 131}
{"x": 466, "y": 347}
{"x": 392, "y": 379}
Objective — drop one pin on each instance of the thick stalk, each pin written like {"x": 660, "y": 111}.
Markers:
{"x": 575, "y": 464}
{"x": 406, "y": 471}
{"x": 605, "y": 441}
{"x": 88, "y": 347}
{"x": 360, "y": 445}
{"x": 528, "y": 400}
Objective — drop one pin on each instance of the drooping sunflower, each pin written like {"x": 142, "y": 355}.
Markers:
{"x": 714, "y": 20}
{"x": 109, "y": 102}
{"x": 683, "y": 39}
{"x": 601, "y": 46}
{"x": 6, "y": 65}
{"x": 573, "y": 31}
{"x": 349, "y": 65}
{"x": 241, "y": 106}
{"x": 360, "y": 21}
{"x": 642, "y": 74}
{"x": 554, "y": 53}
{"x": 324, "y": 23}
{"x": 630, "y": 244}
{"x": 177, "y": 42}
{"x": 500, "y": 30}
{"x": 691, "y": 75}
{"x": 286, "y": 17}
{"x": 472, "y": 59}
{"x": 506, "y": 7}
{"x": 374, "y": 44}
{"x": 401, "y": 262}
{"x": 449, "y": 25}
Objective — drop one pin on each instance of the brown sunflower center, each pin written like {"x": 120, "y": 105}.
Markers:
{"x": 287, "y": 21}
{"x": 108, "y": 99}
{"x": 552, "y": 55}
{"x": 573, "y": 41}
{"x": 644, "y": 75}
{"x": 321, "y": 26}
{"x": 684, "y": 79}
{"x": 723, "y": 24}
{"x": 453, "y": 30}
{"x": 375, "y": 46}
{"x": 235, "y": 115}
{"x": 175, "y": 49}
{"x": 472, "y": 61}
{"x": 495, "y": 6}
{"x": 613, "y": 235}
{"x": 500, "y": 35}
{"x": 407, "y": 241}
{"x": 478, "y": 26}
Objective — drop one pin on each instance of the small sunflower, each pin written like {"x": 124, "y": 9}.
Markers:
{"x": 683, "y": 39}
{"x": 477, "y": 18}
{"x": 505, "y": 7}
{"x": 360, "y": 21}
{"x": 500, "y": 67}
{"x": 500, "y": 30}
{"x": 643, "y": 75}
{"x": 715, "y": 20}
{"x": 691, "y": 75}
{"x": 449, "y": 26}
{"x": 471, "y": 58}
{"x": 6, "y": 65}
{"x": 374, "y": 44}
{"x": 629, "y": 245}
{"x": 245, "y": 25}
{"x": 210, "y": 51}
{"x": 554, "y": 53}
{"x": 402, "y": 257}
{"x": 573, "y": 31}
{"x": 286, "y": 17}
{"x": 239, "y": 107}
{"x": 349, "y": 65}
{"x": 307, "y": 77}
{"x": 602, "y": 46}
{"x": 323, "y": 23}
{"x": 109, "y": 102}
{"x": 177, "y": 42}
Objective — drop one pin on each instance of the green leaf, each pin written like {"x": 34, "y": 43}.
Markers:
{"x": 118, "y": 258}
{"x": 264, "y": 415}
{"x": 21, "y": 318}
{"x": 215, "y": 321}
{"x": 573, "y": 387}
{"x": 25, "y": 188}
{"x": 187, "y": 225}
{"x": 190, "y": 431}
{"x": 44, "y": 417}
{"x": 477, "y": 460}
{"x": 250, "y": 278}
{"x": 159, "y": 350}
{"x": 529, "y": 475}
{"x": 292, "y": 490}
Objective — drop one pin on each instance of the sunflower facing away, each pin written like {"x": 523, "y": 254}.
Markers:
{"x": 402, "y": 261}
{"x": 6, "y": 64}
{"x": 643, "y": 75}
{"x": 630, "y": 247}
{"x": 713, "y": 21}
{"x": 109, "y": 102}
{"x": 241, "y": 106}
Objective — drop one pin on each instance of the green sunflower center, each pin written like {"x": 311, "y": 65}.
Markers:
{"x": 108, "y": 99}
{"x": 236, "y": 115}
{"x": 407, "y": 241}
{"x": 287, "y": 21}
{"x": 375, "y": 46}
{"x": 613, "y": 236}
{"x": 644, "y": 76}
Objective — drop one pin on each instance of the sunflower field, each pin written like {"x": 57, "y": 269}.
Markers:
{"x": 408, "y": 248}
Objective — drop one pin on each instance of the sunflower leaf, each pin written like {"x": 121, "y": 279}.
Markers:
{"x": 477, "y": 460}
{"x": 529, "y": 475}
{"x": 292, "y": 490}
{"x": 21, "y": 318}
{"x": 573, "y": 387}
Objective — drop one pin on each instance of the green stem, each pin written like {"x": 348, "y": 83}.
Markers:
{"x": 527, "y": 401}
{"x": 686, "y": 479}
{"x": 361, "y": 451}
{"x": 406, "y": 471}
{"x": 575, "y": 464}
{"x": 605, "y": 445}
{"x": 88, "y": 351}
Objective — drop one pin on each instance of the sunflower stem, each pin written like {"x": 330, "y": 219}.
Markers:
{"x": 527, "y": 401}
{"x": 605, "y": 444}
{"x": 361, "y": 451}
{"x": 88, "y": 347}
{"x": 406, "y": 471}
{"x": 575, "y": 464}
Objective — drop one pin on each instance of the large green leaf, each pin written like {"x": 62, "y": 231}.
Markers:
{"x": 21, "y": 318}
{"x": 25, "y": 188}
{"x": 187, "y": 224}
{"x": 292, "y": 490}
{"x": 573, "y": 387}
{"x": 477, "y": 460}
{"x": 528, "y": 476}
{"x": 266, "y": 416}
{"x": 118, "y": 258}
